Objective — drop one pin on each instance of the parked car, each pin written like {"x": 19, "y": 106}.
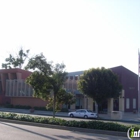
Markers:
{"x": 83, "y": 113}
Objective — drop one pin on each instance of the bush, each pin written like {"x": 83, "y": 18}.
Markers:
{"x": 22, "y": 106}
{"x": 40, "y": 108}
{"x": 64, "y": 110}
{"x": 8, "y": 106}
{"x": 49, "y": 109}
{"x": 28, "y": 107}
{"x": 71, "y": 123}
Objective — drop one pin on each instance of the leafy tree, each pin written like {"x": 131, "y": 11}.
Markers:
{"x": 62, "y": 97}
{"x": 99, "y": 84}
{"x": 16, "y": 62}
{"x": 66, "y": 98}
{"x": 47, "y": 80}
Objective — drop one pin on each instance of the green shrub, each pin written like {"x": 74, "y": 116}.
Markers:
{"x": 22, "y": 106}
{"x": 28, "y": 107}
{"x": 40, "y": 108}
{"x": 71, "y": 123}
{"x": 64, "y": 110}
{"x": 8, "y": 106}
{"x": 49, "y": 109}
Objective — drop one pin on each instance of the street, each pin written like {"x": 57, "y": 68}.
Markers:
{"x": 24, "y": 132}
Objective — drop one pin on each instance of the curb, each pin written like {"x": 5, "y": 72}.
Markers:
{"x": 85, "y": 130}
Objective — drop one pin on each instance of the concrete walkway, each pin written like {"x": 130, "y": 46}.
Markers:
{"x": 126, "y": 116}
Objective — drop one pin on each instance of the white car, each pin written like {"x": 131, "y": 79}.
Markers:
{"x": 83, "y": 113}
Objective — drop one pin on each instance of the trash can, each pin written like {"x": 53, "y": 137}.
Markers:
{"x": 116, "y": 115}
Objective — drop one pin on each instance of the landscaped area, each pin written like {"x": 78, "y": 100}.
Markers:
{"x": 95, "y": 124}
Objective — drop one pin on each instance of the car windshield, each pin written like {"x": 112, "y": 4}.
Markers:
{"x": 89, "y": 111}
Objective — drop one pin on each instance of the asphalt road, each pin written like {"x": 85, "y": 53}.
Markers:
{"x": 10, "y": 131}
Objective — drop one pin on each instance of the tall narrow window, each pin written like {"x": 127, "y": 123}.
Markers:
{"x": 127, "y": 103}
{"x": 134, "y": 103}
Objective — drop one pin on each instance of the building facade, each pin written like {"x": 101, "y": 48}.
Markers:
{"x": 127, "y": 102}
{"x": 14, "y": 90}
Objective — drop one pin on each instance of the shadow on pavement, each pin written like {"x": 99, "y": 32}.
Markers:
{"x": 73, "y": 137}
{"x": 93, "y": 138}
{"x": 29, "y": 131}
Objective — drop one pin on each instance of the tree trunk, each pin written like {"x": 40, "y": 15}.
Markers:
{"x": 54, "y": 101}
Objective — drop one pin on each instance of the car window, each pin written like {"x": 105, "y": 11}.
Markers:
{"x": 78, "y": 111}
{"x": 83, "y": 111}
{"x": 89, "y": 111}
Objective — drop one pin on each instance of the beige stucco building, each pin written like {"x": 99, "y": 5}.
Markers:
{"x": 127, "y": 102}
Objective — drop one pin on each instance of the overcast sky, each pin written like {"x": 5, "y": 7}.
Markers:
{"x": 81, "y": 33}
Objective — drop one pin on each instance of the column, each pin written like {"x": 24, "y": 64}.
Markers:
{"x": 3, "y": 82}
{"x": 14, "y": 86}
{"x": 110, "y": 105}
{"x": 19, "y": 76}
{"x": 10, "y": 86}
{"x": 25, "y": 90}
{"x": 72, "y": 107}
{"x": 85, "y": 102}
{"x": 7, "y": 88}
{"x": 121, "y": 102}
{"x": 17, "y": 88}
{"x": 90, "y": 104}
{"x": 21, "y": 88}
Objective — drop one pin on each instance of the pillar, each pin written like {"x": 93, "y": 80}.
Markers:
{"x": 90, "y": 104}
{"x": 85, "y": 102}
{"x": 72, "y": 107}
{"x": 121, "y": 102}
{"x": 110, "y": 105}
{"x": 19, "y": 76}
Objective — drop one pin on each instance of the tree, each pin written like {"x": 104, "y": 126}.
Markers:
{"x": 16, "y": 62}
{"x": 62, "y": 97}
{"x": 99, "y": 84}
{"x": 47, "y": 80}
{"x": 66, "y": 98}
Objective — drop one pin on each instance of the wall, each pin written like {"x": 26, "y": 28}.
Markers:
{"x": 29, "y": 101}
{"x": 129, "y": 81}
{"x": 10, "y": 74}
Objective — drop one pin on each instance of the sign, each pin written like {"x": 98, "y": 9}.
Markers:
{"x": 132, "y": 134}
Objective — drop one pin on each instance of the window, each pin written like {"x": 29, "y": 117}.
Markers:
{"x": 78, "y": 111}
{"x": 127, "y": 103}
{"x": 83, "y": 111}
{"x": 89, "y": 111}
{"x": 134, "y": 103}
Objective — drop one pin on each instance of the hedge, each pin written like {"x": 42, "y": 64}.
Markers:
{"x": 95, "y": 124}
{"x": 36, "y": 108}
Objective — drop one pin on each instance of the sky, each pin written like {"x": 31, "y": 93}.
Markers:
{"x": 82, "y": 34}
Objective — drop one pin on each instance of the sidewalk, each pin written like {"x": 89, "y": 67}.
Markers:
{"x": 126, "y": 116}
